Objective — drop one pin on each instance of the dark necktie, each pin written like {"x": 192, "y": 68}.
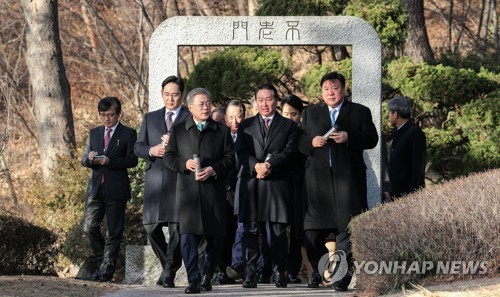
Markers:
{"x": 169, "y": 120}
{"x": 267, "y": 121}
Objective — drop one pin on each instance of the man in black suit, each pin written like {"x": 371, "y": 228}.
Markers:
{"x": 109, "y": 151}
{"x": 407, "y": 157}
{"x": 159, "y": 186}
{"x": 201, "y": 190}
{"x": 335, "y": 172}
{"x": 264, "y": 147}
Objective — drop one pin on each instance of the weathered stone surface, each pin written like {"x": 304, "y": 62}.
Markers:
{"x": 142, "y": 267}
{"x": 285, "y": 31}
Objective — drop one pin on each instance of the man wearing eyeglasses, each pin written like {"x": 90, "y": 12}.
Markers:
{"x": 201, "y": 151}
{"x": 109, "y": 151}
{"x": 159, "y": 186}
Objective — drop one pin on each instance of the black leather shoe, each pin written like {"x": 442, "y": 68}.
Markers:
{"x": 96, "y": 275}
{"x": 315, "y": 281}
{"x": 223, "y": 279}
{"x": 193, "y": 288}
{"x": 168, "y": 283}
{"x": 106, "y": 278}
{"x": 279, "y": 280}
{"x": 205, "y": 283}
{"x": 234, "y": 273}
{"x": 250, "y": 282}
{"x": 340, "y": 288}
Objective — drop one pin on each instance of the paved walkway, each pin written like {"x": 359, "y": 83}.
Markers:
{"x": 266, "y": 290}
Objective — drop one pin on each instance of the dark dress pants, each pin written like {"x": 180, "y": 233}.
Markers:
{"x": 189, "y": 249}
{"x": 169, "y": 253}
{"x": 228, "y": 242}
{"x": 294, "y": 254}
{"x": 277, "y": 241}
{"x": 105, "y": 250}
{"x": 237, "y": 251}
{"x": 314, "y": 242}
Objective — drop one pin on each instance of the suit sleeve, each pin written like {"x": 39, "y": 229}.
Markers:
{"x": 281, "y": 159}
{"x": 418, "y": 147}
{"x": 142, "y": 146}
{"x": 246, "y": 159}
{"x": 85, "y": 157}
{"x": 130, "y": 159}
{"x": 367, "y": 136}
{"x": 304, "y": 140}
{"x": 171, "y": 159}
{"x": 223, "y": 166}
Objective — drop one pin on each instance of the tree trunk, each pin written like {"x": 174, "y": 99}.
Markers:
{"x": 51, "y": 90}
{"x": 252, "y": 7}
{"x": 417, "y": 43}
{"x": 242, "y": 7}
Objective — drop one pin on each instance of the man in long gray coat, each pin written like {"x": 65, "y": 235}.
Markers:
{"x": 335, "y": 171}
{"x": 160, "y": 182}
{"x": 201, "y": 190}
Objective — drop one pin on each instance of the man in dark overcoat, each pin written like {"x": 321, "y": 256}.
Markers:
{"x": 201, "y": 191}
{"x": 335, "y": 171}
{"x": 159, "y": 208}
{"x": 264, "y": 147}
{"x": 407, "y": 157}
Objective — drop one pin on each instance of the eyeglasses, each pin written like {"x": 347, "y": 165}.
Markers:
{"x": 107, "y": 115}
{"x": 173, "y": 95}
{"x": 203, "y": 104}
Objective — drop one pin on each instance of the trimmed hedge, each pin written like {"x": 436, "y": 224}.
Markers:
{"x": 454, "y": 221}
{"x": 26, "y": 248}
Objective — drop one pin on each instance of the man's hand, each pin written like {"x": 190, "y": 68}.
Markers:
{"x": 191, "y": 165}
{"x": 158, "y": 150}
{"x": 339, "y": 136}
{"x": 101, "y": 161}
{"x": 205, "y": 173}
{"x": 92, "y": 155}
{"x": 318, "y": 141}
{"x": 262, "y": 169}
{"x": 164, "y": 139}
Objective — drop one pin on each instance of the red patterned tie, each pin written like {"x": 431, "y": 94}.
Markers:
{"x": 107, "y": 138}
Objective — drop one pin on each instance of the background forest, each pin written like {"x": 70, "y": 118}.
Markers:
{"x": 441, "y": 54}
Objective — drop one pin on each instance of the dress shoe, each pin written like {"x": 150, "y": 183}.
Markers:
{"x": 234, "y": 272}
{"x": 315, "y": 281}
{"x": 96, "y": 275}
{"x": 106, "y": 278}
{"x": 279, "y": 280}
{"x": 205, "y": 283}
{"x": 293, "y": 279}
{"x": 339, "y": 287}
{"x": 223, "y": 279}
{"x": 168, "y": 283}
{"x": 250, "y": 282}
{"x": 193, "y": 288}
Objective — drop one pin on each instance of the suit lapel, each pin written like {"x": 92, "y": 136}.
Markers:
{"x": 344, "y": 111}
{"x": 114, "y": 138}
{"x": 160, "y": 118}
{"x": 276, "y": 125}
{"x": 100, "y": 139}
{"x": 183, "y": 114}
{"x": 256, "y": 130}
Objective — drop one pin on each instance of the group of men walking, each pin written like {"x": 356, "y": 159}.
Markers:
{"x": 200, "y": 172}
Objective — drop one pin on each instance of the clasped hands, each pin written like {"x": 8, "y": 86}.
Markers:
{"x": 337, "y": 136}
{"x": 99, "y": 161}
{"x": 263, "y": 169}
{"x": 204, "y": 174}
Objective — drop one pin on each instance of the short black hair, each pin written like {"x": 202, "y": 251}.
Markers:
{"x": 266, "y": 86}
{"x": 174, "y": 79}
{"x": 294, "y": 101}
{"x": 331, "y": 76}
{"x": 106, "y": 103}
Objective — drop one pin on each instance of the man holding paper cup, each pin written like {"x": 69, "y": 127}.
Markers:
{"x": 337, "y": 132}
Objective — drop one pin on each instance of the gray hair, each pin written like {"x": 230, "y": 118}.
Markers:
{"x": 237, "y": 103}
{"x": 401, "y": 105}
{"x": 197, "y": 91}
